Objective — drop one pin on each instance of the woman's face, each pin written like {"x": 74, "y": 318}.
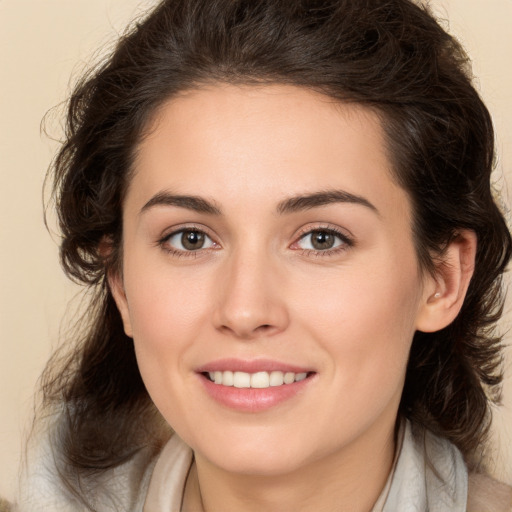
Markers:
{"x": 265, "y": 240}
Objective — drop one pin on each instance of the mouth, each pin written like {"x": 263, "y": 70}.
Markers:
{"x": 254, "y": 386}
{"x": 256, "y": 380}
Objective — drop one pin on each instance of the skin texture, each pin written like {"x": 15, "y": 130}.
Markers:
{"x": 257, "y": 289}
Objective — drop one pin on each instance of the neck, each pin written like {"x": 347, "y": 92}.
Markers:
{"x": 351, "y": 478}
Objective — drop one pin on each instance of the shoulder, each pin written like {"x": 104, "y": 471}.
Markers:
{"x": 485, "y": 494}
{"x": 42, "y": 489}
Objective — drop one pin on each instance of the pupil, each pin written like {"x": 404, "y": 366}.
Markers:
{"x": 192, "y": 240}
{"x": 322, "y": 240}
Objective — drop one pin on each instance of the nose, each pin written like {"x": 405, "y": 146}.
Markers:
{"x": 251, "y": 299}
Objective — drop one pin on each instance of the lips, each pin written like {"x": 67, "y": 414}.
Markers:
{"x": 255, "y": 385}
{"x": 251, "y": 366}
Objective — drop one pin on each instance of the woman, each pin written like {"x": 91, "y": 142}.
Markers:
{"x": 284, "y": 211}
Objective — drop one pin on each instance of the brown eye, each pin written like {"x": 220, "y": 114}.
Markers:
{"x": 187, "y": 240}
{"x": 192, "y": 240}
{"x": 322, "y": 240}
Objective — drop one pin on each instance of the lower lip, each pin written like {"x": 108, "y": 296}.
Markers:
{"x": 253, "y": 399}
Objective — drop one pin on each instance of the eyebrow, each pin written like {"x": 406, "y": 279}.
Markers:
{"x": 194, "y": 203}
{"x": 290, "y": 205}
{"x": 315, "y": 200}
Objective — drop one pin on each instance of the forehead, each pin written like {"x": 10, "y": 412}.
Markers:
{"x": 244, "y": 143}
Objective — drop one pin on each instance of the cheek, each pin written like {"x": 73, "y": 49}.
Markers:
{"x": 167, "y": 313}
{"x": 166, "y": 324}
{"x": 164, "y": 303}
{"x": 365, "y": 321}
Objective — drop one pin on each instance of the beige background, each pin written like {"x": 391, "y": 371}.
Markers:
{"x": 42, "y": 44}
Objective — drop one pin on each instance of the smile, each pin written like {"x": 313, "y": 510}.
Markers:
{"x": 254, "y": 385}
{"x": 258, "y": 380}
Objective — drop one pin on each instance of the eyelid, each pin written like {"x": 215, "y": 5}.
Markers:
{"x": 174, "y": 230}
{"x": 344, "y": 235}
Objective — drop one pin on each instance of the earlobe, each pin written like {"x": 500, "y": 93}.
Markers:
{"x": 445, "y": 291}
{"x": 115, "y": 283}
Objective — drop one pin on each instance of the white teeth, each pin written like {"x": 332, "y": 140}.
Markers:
{"x": 258, "y": 380}
{"x": 289, "y": 377}
{"x": 228, "y": 378}
{"x": 276, "y": 379}
{"x": 242, "y": 380}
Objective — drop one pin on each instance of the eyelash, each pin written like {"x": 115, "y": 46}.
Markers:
{"x": 164, "y": 242}
{"x": 346, "y": 242}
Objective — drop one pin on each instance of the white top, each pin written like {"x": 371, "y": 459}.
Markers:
{"x": 139, "y": 486}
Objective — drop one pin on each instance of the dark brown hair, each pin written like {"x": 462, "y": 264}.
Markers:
{"x": 388, "y": 55}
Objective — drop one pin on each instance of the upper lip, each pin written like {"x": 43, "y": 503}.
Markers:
{"x": 251, "y": 366}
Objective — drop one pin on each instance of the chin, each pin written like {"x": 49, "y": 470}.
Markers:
{"x": 258, "y": 456}
{"x": 263, "y": 465}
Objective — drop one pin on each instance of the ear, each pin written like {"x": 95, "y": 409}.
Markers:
{"x": 115, "y": 282}
{"x": 444, "y": 292}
